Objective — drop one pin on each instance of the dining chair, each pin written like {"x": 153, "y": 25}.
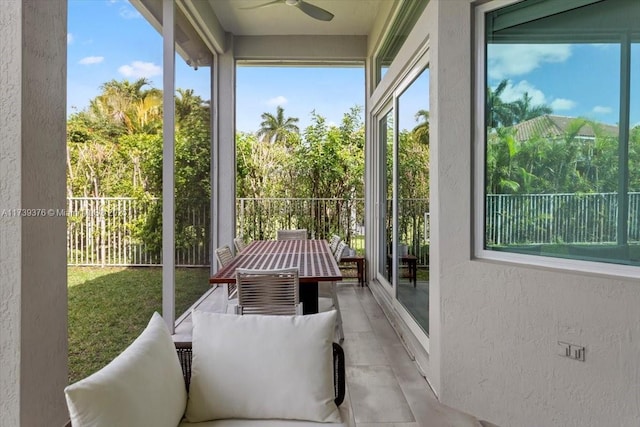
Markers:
{"x": 299, "y": 234}
{"x": 339, "y": 251}
{"x": 224, "y": 257}
{"x": 268, "y": 292}
{"x": 333, "y": 243}
{"x": 239, "y": 243}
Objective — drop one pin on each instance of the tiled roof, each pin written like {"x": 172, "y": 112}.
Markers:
{"x": 550, "y": 126}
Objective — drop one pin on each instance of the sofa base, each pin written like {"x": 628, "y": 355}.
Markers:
{"x": 260, "y": 423}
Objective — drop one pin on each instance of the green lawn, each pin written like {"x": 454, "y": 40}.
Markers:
{"x": 109, "y": 307}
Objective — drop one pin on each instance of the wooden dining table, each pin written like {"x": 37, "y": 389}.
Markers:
{"x": 313, "y": 258}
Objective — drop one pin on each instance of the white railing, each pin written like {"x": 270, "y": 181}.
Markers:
{"x": 558, "y": 218}
{"x": 126, "y": 231}
{"x": 99, "y": 232}
{"x": 260, "y": 218}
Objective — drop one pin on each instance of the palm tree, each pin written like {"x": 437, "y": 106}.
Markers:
{"x": 276, "y": 128}
{"x": 191, "y": 109}
{"x": 522, "y": 109}
{"x": 421, "y": 131}
{"x": 127, "y": 106}
{"x": 507, "y": 114}
{"x": 499, "y": 112}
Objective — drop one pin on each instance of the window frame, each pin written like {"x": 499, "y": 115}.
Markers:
{"x": 479, "y": 135}
{"x": 404, "y": 19}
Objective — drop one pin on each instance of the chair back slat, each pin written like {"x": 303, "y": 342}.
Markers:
{"x": 333, "y": 243}
{"x": 224, "y": 257}
{"x": 239, "y": 243}
{"x": 339, "y": 250}
{"x": 299, "y": 234}
{"x": 268, "y": 291}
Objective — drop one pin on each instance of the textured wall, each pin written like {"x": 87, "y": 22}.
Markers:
{"x": 10, "y": 69}
{"x": 300, "y": 48}
{"x": 33, "y": 305}
{"x": 499, "y": 324}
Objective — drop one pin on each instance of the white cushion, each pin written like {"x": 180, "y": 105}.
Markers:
{"x": 262, "y": 367}
{"x": 141, "y": 387}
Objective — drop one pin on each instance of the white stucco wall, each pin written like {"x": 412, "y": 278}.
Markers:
{"x": 498, "y": 324}
{"x": 9, "y": 227}
{"x": 300, "y": 48}
{"x": 33, "y": 309}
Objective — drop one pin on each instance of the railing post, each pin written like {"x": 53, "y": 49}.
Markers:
{"x": 103, "y": 231}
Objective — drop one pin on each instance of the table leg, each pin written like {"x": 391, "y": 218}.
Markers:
{"x": 413, "y": 271}
{"x": 360, "y": 266}
{"x": 309, "y": 297}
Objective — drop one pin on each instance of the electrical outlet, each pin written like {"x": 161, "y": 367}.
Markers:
{"x": 565, "y": 349}
{"x": 572, "y": 351}
{"x": 577, "y": 352}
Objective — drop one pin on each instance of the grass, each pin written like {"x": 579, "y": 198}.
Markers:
{"x": 109, "y": 307}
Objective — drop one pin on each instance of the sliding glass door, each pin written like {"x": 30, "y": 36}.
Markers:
{"x": 386, "y": 178}
{"x": 403, "y": 196}
{"x": 412, "y": 198}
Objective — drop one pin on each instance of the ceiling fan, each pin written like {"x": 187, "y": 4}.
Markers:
{"x": 311, "y": 10}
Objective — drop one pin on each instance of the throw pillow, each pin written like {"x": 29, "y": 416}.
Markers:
{"x": 143, "y": 386}
{"x": 262, "y": 367}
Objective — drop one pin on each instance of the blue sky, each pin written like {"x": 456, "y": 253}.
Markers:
{"x": 575, "y": 80}
{"x": 108, "y": 40}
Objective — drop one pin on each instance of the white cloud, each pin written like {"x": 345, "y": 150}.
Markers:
{"x": 506, "y": 60}
{"x": 605, "y": 46}
{"x": 91, "y": 60}
{"x": 139, "y": 69}
{"x": 599, "y": 109}
{"x": 127, "y": 12}
{"x": 277, "y": 101}
{"x": 514, "y": 92}
{"x": 560, "y": 104}
{"x": 69, "y": 38}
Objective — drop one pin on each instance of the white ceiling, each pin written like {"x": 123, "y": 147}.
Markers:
{"x": 352, "y": 17}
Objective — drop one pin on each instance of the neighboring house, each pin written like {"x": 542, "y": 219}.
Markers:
{"x": 495, "y": 319}
{"x": 555, "y": 127}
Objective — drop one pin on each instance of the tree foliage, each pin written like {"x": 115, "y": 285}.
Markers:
{"x": 277, "y": 128}
{"x": 505, "y": 114}
{"x": 115, "y": 146}
{"x": 567, "y": 164}
{"x": 114, "y": 149}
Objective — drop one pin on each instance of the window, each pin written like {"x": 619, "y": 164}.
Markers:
{"x": 562, "y": 129}
{"x": 403, "y": 23}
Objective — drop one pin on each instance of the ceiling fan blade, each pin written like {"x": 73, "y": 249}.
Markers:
{"x": 314, "y": 11}
{"x": 263, "y": 5}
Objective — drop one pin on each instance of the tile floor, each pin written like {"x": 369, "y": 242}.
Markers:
{"x": 384, "y": 387}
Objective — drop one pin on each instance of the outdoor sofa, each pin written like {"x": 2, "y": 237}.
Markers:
{"x": 250, "y": 371}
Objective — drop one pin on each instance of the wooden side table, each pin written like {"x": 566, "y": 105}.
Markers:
{"x": 359, "y": 261}
{"x": 411, "y": 261}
